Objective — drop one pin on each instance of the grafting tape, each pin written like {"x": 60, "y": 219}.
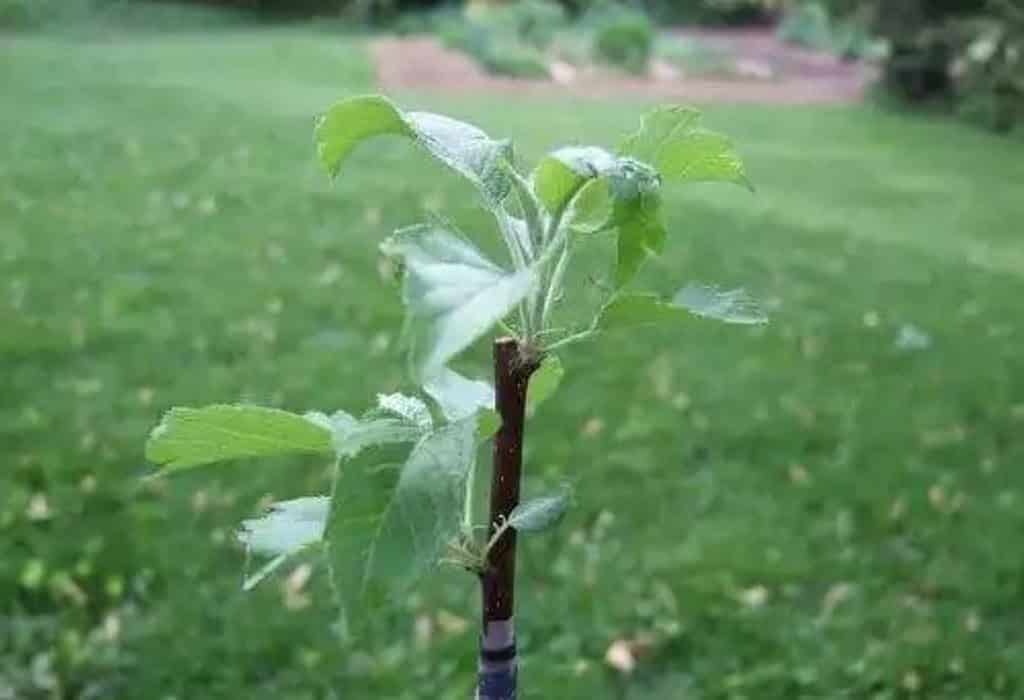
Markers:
{"x": 497, "y": 685}
{"x": 506, "y": 654}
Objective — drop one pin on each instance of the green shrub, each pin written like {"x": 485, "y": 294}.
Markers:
{"x": 534, "y": 22}
{"x": 28, "y": 14}
{"x": 515, "y": 60}
{"x": 712, "y": 12}
{"x": 989, "y": 72}
{"x": 851, "y": 40}
{"x": 814, "y": 25}
{"x": 494, "y": 45}
{"x": 624, "y": 38}
{"x": 807, "y": 24}
{"x": 964, "y": 54}
{"x": 16, "y": 14}
{"x": 460, "y": 34}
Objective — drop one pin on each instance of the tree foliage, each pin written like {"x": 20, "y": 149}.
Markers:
{"x": 404, "y": 471}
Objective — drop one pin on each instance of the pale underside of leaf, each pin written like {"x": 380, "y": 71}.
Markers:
{"x": 453, "y": 293}
{"x": 539, "y": 514}
{"x": 191, "y": 437}
{"x": 288, "y": 528}
{"x": 734, "y": 306}
{"x": 409, "y": 408}
{"x": 458, "y": 396}
{"x": 351, "y": 435}
{"x": 462, "y": 147}
{"x": 730, "y": 305}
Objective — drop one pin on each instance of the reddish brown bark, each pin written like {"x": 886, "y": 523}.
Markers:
{"x": 512, "y": 371}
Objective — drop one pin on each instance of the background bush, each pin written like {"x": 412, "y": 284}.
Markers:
{"x": 622, "y": 37}
{"x": 960, "y": 54}
{"x": 506, "y": 40}
{"x": 807, "y": 24}
{"x": 712, "y": 12}
{"x": 833, "y": 27}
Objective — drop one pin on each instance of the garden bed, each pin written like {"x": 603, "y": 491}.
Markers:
{"x": 746, "y": 66}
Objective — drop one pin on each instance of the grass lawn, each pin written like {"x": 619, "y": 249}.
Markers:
{"x": 800, "y": 511}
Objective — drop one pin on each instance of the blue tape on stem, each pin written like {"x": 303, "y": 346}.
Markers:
{"x": 498, "y": 685}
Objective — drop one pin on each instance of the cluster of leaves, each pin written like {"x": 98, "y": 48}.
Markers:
{"x": 382, "y": 523}
{"x": 386, "y": 519}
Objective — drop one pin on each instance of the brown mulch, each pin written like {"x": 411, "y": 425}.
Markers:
{"x": 798, "y": 76}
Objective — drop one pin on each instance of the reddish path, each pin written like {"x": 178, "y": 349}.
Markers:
{"x": 801, "y": 76}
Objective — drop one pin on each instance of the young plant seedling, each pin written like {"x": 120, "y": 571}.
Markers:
{"x": 386, "y": 526}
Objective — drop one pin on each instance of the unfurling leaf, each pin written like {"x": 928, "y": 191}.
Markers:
{"x": 733, "y": 306}
{"x": 191, "y": 437}
{"x": 562, "y": 173}
{"x": 453, "y": 293}
{"x": 672, "y": 140}
{"x": 624, "y": 191}
{"x": 539, "y": 514}
{"x": 591, "y": 211}
{"x": 544, "y": 382}
{"x": 462, "y": 147}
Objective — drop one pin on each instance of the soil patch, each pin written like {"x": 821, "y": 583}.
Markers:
{"x": 766, "y": 71}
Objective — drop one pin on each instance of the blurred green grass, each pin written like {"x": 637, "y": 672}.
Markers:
{"x": 803, "y": 511}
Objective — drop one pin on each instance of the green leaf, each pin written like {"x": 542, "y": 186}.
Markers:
{"x": 626, "y": 310}
{"x": 658, "y": 128}
{"x": 462, "y": 147}
{"x": 453, "y": 293}
{"x": 191, "y": 437}
{"x": 641, "y": 234}
{"x": 672, "y": 140}
{"x": 629, "y": 202}
{"x": 591, "y": 211}
{"x": 734, "y": 306}
{"x": 427, "y": 507}
{"x": 350, "y": 435}
{"x": 539, "y": 514}
{"x": 388, "y": 526}
{"x": 488, "y": 421}
{"x": 458, "y": 396}
{"x": 544, "y": 382}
